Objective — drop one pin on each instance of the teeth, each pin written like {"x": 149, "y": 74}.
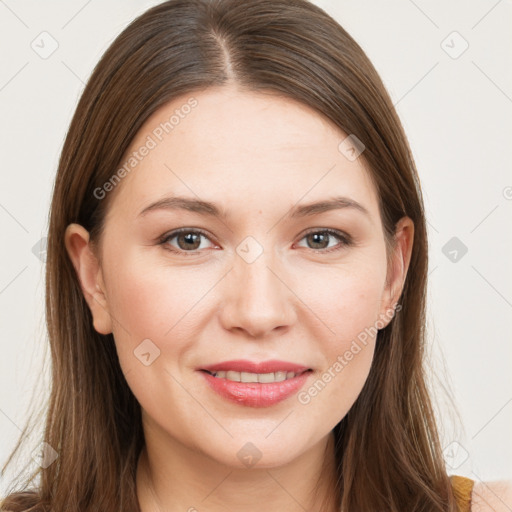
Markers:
{"x": 232, "y": 376}
{"x": 254, "y": 377}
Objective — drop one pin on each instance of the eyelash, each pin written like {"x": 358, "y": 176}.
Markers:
{"x": 346, "y": 240}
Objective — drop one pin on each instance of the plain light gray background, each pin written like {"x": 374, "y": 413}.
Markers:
{"x": 447, "y": 68}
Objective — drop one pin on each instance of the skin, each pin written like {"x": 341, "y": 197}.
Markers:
{"x": 256, "y": 155}
{"x": 492, "y": 496}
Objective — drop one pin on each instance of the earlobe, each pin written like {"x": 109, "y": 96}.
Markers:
{"x": 89, "y": 273}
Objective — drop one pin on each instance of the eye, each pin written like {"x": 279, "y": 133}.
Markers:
{"x": 186, "y": 239}
{"x": 319, "y": 237}
{"x": 189, "y": 240}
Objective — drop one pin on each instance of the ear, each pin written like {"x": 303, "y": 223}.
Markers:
{"x": 397, "y": 268}
{"x": 90, "y": 276}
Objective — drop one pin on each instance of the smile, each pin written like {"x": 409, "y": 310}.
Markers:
{"x": 254, "y": 389}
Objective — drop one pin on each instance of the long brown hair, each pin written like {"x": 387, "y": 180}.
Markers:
{"x": 388, "y": 454}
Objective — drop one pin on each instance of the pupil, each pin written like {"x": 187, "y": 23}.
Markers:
{"x": 316, "y": 236}
{"x": 189, "y": 238}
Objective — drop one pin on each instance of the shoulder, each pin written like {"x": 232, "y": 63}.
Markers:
{"x": 492, "y": 496}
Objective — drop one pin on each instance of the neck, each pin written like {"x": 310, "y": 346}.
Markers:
{"x": 180, "y": 479}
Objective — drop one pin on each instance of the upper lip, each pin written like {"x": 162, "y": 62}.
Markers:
{"x": 242, "y": 365}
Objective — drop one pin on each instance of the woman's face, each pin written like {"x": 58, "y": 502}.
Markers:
{"x": 260, "y": 281}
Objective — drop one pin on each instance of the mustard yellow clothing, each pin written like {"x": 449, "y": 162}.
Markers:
{"x": 462, "y": 488}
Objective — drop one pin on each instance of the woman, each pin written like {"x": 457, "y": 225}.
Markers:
{"x": 278, "y": 364}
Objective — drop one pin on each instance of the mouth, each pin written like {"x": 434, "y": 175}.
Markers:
{"x": 260, "y": 387}
{"x": 262, "y": 378}
{"x": 264, "y": 372}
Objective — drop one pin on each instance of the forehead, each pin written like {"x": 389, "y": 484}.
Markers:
{"x": 240, "y": 150}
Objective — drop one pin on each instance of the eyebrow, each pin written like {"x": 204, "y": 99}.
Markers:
{"x": 209, "y": 209}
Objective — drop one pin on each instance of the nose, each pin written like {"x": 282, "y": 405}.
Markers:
{"x": 257, "y": 297}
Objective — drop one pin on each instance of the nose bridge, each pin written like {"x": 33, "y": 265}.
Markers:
{"x": 259, "y": 299}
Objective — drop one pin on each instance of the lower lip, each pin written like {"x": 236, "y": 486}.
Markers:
{"x": 255, "y": 394}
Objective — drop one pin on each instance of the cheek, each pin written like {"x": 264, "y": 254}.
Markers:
{"x": 348, "y": 359}
{"x": 349, "y": 305}
{"x": 347, "y": 299}
{"x": 153, "y": 300}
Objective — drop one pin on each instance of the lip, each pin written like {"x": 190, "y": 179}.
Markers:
{"x": 243, "y": 365}
{"x": 255, "y": 394}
